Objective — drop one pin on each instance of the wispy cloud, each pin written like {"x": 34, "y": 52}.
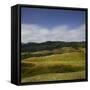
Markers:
{"x": 36, "y": 33}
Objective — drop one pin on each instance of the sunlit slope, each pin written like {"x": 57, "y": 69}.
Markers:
{"x": 55, "y": 66}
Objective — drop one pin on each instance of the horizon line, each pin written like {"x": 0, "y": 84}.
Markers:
{"x": 51, "y": 41}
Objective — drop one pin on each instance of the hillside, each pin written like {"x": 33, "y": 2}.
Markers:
{"x": 49, "y": 45}
{"x": 49, "y": 61}
{"x": 66, "y": 66}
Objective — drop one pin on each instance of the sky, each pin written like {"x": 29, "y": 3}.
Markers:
{"x": 41, "y": 25}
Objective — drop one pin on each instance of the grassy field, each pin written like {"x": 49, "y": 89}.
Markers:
{"x": 53, "y": 65}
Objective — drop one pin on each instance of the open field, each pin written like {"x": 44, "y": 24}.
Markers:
{"x": 55, "y": 76}
{"x": 53, "y": 65}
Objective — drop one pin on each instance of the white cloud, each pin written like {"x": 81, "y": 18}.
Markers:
{"x": 36, "y": 33}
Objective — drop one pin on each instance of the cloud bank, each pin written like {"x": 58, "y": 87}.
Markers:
{"x": 36, "y": 33}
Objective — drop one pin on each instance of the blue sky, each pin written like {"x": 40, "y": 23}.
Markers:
{"x": 49, "y": 17}
{"x": 46, "y": 20}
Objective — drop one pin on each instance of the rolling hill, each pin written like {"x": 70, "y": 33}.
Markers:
{"x": 49, "y": 45}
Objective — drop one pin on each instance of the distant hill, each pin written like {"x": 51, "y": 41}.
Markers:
{"x": 49, "y": 45}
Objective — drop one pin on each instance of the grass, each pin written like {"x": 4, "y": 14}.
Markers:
{"x": 55, "y": 76}
{"x": 57, "y": 66}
